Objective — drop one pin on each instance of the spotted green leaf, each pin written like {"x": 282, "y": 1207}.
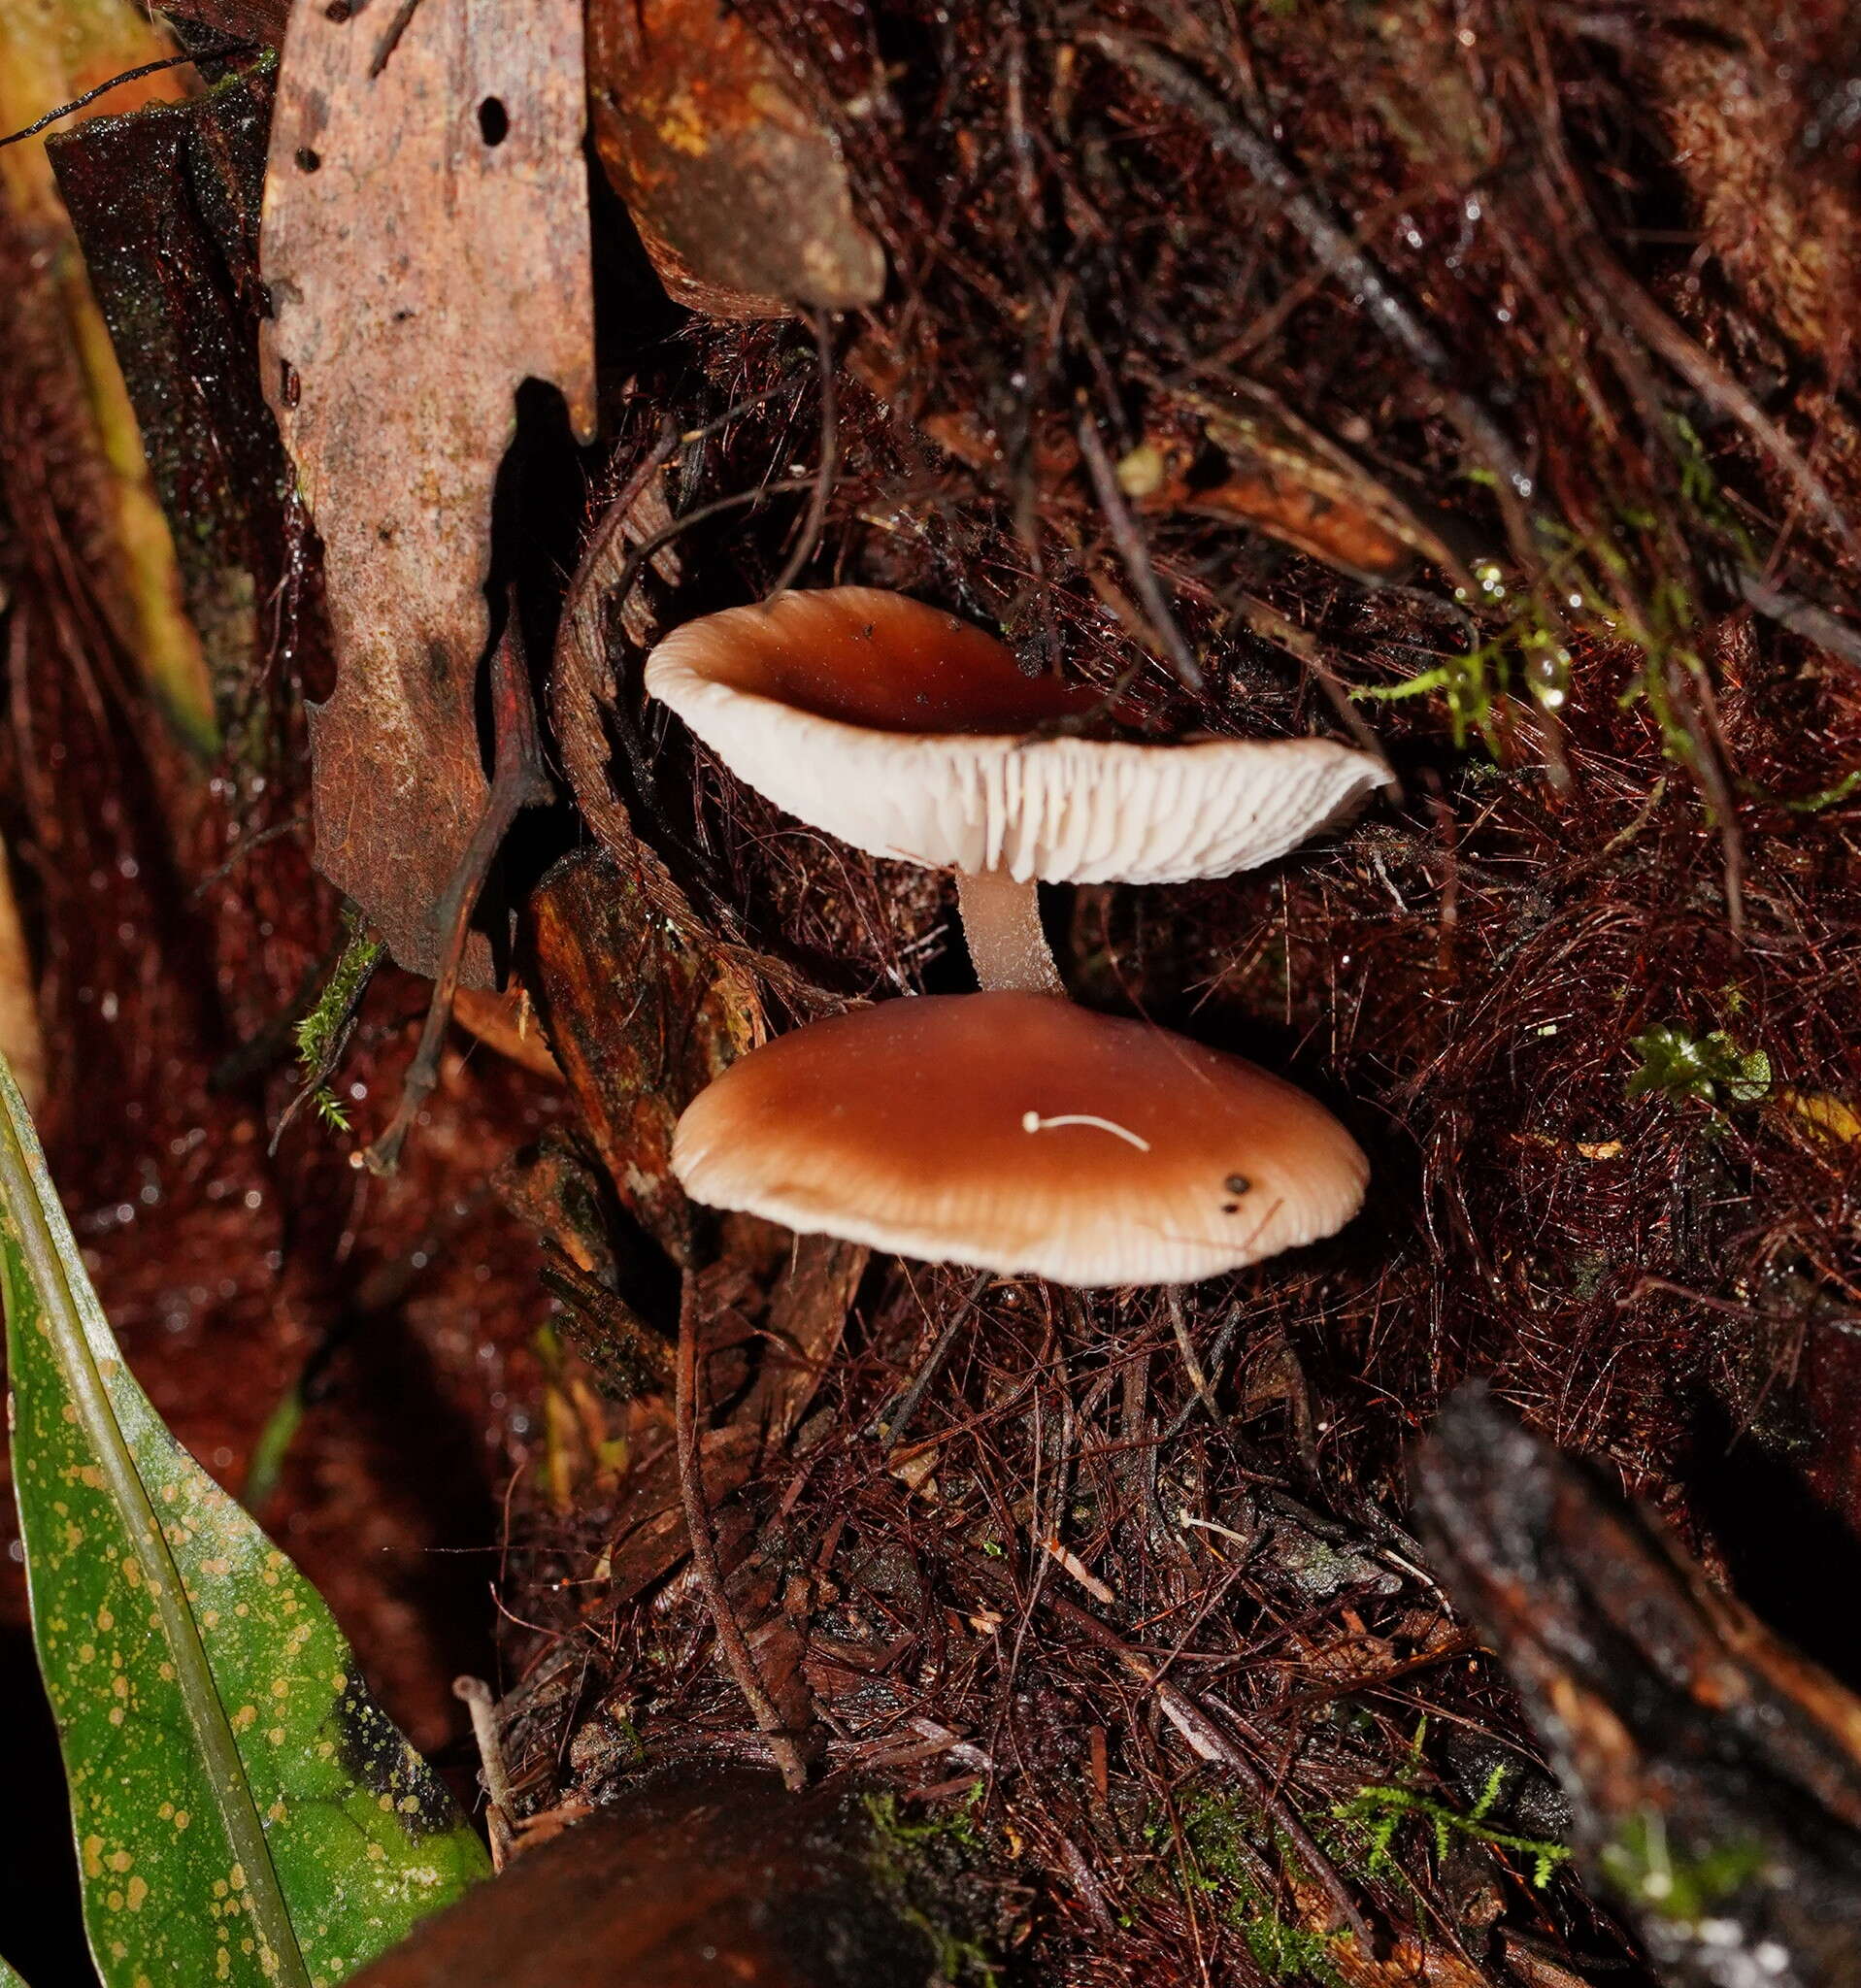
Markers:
{"x": 9, "y": 1978}
{"x": 244, "y": 1813}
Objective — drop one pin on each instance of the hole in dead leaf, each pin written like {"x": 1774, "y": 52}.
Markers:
{"x": 308, "y": 161}
{"x": 494, "y": 120}
{"x": 338, "y": 9}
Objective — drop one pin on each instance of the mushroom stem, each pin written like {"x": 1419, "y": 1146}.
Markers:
{"x": 1001, "y": 923}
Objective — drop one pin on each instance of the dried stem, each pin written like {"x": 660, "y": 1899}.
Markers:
{"x": 475, "y": 1695}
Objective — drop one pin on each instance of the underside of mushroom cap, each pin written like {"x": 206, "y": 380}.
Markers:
{"x": 907, "y": 733}
{"x": 1019, "y": 1133}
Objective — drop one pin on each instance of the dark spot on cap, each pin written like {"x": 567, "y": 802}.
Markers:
{"x": 1237, "y": 1183}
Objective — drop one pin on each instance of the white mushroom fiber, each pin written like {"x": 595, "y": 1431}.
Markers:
{"x": 906, "y": 732}
{"x": 1019, "y": 1133}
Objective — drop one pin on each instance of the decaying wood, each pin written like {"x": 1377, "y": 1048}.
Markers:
{"x": 1715, "y": 1776}
{"x": 640, "y": 1021}
{"x": 737, "y": 189}
{"x": 719, "y": 1877}
{"x": 426, "y": 249}
{"x": 50, "y": 320}
{"x": 606, "y": 610}
{"x": 166, "y": 204}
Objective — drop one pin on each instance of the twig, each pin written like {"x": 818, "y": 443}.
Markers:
{"x": 1801, "y": 618}
{"x": 1717, "y": 387}
{"x": 704, "y": 1552}
{"x": 1218, "y": 1358}
{"x": 1078, "y": 1569}
{"x": 103, "y": 90}
{"x": 1199, "y": 1380}
{"x": 518, "y": 781}
{"x": 475, "y": 1695}
{"x": 809, "y": 540}
{"x": 1270, "y": 625}
{"x": 238, "y": 853}
{"x": 1135, "y": 553}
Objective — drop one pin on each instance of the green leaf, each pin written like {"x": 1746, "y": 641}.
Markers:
{"x": 244, "y": 1813}
{"x": 9, "y": 1977}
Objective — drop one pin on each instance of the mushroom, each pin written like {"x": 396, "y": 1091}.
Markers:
{"x": 913, "y": 734}
{"x": 1009, "y": 1129}
{"x": 1019, "y": 1133}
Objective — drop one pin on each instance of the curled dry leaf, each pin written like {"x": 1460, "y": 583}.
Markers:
{"x": 1297, "y": 485}
{"x": 737, "y": 190}
{"x": 425, "y": 243}
{"x": 505, "y": 1022}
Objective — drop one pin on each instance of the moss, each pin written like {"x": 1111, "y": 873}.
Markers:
{"x": 1683, "y": 1890}
{"x": 928, "y": 1866}
{"x": 320, "y": 1032}
{"x": 1380, "y": 1810}
{"x": 1528, "y": 656}
{"x": 1219, "y": 1860}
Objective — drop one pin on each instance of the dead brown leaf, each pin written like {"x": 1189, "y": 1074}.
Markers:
{"x": 1299, "y": 486}
{"x": 425, "y": 243}
{"x": 738, "y": 190}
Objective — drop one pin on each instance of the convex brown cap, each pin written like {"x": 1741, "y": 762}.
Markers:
{"x": 904, "y": 731}
{"x": 1019, "y": 1133}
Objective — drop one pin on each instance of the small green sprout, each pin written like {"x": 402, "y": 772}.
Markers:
{"x": 1679, "y": 1066}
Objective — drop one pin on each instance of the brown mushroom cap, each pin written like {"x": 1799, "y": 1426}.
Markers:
{"x": 904, "y": 731}
{"x": 1016, "y": 1132}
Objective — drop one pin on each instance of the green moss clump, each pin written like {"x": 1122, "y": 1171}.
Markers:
{"x": 1382, "y": 1809}
{"x": 928, "y": 1866}
{"x": 320, "y": 1033}
{"x": 1219, "y": 1860}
